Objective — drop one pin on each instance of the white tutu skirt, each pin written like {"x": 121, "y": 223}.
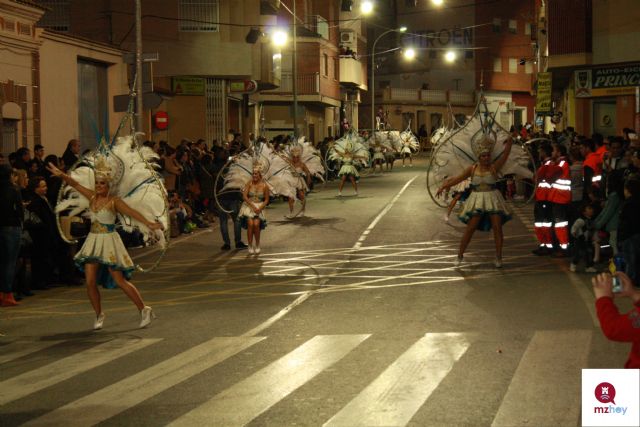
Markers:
{"x": 406, "y": 150}
{"x": 247, "y": 213}
{"x": 349, "y": 170}
{"x": 378, "y": 156}
{"x": 485, "y": 204}
{"x": 302, "y": 184}
{"x": 106, "y": 249}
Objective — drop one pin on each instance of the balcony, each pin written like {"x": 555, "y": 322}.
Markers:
{"x": 427, "y": 97}
{"x": 307, "y": 84}
{"x": 352, "y": 73}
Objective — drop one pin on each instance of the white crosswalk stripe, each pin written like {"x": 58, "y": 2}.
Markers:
{"x": 397, "y": 394}
{"x": 249, "y": 398}
{"x": 53, "y": 373}
{"x": 549, "y": 366}
{"x": 133, "y": 390}
{"x": 540, "y": 375}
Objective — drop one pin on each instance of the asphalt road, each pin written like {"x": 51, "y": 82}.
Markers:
{"x": 352, "y": 315}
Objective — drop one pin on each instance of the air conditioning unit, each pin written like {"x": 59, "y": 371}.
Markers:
{"x": 348, "y": 39}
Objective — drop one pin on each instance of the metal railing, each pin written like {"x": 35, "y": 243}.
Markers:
{"x": 307, "y": 84}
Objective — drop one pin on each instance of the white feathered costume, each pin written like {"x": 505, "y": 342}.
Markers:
{"x": 350, "y": 150}
{"x": 276, "y": 171}
{"x": 311, "y": 159}
{"x": 409, "y": 142}
{"x": 381, "y": 143}
{"x": 135, "y": 182}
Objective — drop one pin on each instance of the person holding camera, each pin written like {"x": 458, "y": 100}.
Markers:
{"x": 616, "y": 326}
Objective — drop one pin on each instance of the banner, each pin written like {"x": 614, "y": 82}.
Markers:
{"x": 187, "y": 85}
{"x": 610, "y": 81}
{"x": 543, "y": 95}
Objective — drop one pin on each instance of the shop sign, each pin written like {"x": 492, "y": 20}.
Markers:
{"x": 187, "y": 85}
{"x": 610, "y": 81}
{"x": 543, "y": 95}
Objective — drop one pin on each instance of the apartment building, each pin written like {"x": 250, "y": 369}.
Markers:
{"x": 328, "y": 80}
{"x": 460, "y": 46}
{"x": 54, "y": 86}
{"x": 593, "y": 53}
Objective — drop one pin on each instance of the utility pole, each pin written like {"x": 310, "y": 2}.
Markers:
{"x": 138, "y": 79}
{"x": 294, "y": 76}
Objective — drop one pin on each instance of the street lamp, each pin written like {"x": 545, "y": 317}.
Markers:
{"x": 279, "y": 38}
{"x": 372, "y": 88}
{"x": 409, "y": 53}
{"x": 437, "y": 2}
{"x": 450, "y": 56}
{"x": 366, "y": 7}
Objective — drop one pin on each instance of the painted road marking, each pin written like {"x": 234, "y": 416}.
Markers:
{"x": 24, "y": 348}
{"x": 244, "y": 401}
{"x": 395, "y": 396}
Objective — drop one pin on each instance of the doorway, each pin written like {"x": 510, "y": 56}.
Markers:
{"x": 604, "y": 116}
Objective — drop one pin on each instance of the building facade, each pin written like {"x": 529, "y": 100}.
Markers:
{"x": 54, "y": 86}
{"x": 492, "y": 46}
{"x": 594, "y": 59}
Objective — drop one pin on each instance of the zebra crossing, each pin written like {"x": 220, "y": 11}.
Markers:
{"x": 547, "y": 370}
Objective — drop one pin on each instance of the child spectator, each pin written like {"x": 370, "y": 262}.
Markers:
{"x": 582, "y": 232}
{"x": 616, "y": 326}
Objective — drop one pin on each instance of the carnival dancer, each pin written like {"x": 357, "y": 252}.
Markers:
{"x": 256, "y": 198}
{"x": 485, "y": 209}
{"x": 114, "y": 175}
{"x": 409, "y": 145}
{"x": 258, "y": 173}
{"x": 350, "y": 151}
{"x": 306, "y": 163}
{"x": 380, "y": 145}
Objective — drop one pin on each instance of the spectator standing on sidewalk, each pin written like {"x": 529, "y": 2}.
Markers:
{"x": 629, "y": 228}
{"x": 10, "y": 234}
{"x": 229, "y": 201}
{"x": 582, "y": 232}
{"x": 616, "y": 326}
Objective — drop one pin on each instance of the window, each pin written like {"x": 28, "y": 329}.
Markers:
{"x": 513, "y": 65}
{"x": 57, "y": 17}
{"x": 497, "y": 65}
{"x": 528, "y": 67}
{"x": 9, "y": 136}
{"x": 410, "y": 3}
{"x": 497, "y": 24}
{"x": 513, "y": 26}
{"x": 325, "y": 64}
{"x": 336, "y": 69}
{"x": 527, "y": 29}
{"x": 93, "y": 101}
{"x": 199, "y": 15}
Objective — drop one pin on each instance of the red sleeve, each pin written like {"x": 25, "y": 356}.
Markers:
{"x": 616, "y": 326}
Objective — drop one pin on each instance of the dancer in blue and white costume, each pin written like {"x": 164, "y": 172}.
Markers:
{"x": 101, "y": 186}
{"x": 350, "y": 151}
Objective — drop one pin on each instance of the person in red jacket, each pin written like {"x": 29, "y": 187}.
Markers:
{"x": 616, "y": 326}
{"x": 542, "y": 211}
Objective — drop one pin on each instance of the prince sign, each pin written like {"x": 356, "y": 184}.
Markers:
{"x": 609, "y": 81}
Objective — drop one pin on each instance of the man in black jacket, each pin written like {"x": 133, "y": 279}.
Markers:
{"x": 72, "y": 154}
{"x": 629, "y": 229}
{"x": 230, "y": 202}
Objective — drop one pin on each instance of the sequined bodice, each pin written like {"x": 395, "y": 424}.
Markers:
{"x": 256, "y": 196}
{"x": 483, "y": 181}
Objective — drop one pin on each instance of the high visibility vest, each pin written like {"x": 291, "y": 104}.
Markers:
{"x": 561, "y": 187}
{"x": 543, "y": 188}
{"x": 593, "y": 161}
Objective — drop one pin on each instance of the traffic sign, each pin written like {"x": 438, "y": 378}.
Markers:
{"x": 243, "y": 86}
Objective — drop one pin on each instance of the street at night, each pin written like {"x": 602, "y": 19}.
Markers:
{"x": 344, "y": 319}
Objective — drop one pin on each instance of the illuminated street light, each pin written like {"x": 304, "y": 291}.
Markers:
{"x": 402, "y": 29}
{"x": 279, "y": 37}
{"x": 409, "y": 53}
{"x": 366, "y": 7}
{"x": 437, "y": 2}
{"x": 450, "y": 56}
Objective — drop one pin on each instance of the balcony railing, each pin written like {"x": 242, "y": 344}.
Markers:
{"x": 307, "y": 84}
{"x": 430, "y": 97}
{"x": 351, "y": 71}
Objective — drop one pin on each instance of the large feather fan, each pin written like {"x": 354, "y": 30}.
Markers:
{"x": 134, "y": 181}
{"x": 407, "y": 138}
{"x": 276, "y": 171}
{"x": 456, "y": 153}
{"x": 351, "y": 144}
{"x": 309, "y": 156}
{"x": 382, "y": 139}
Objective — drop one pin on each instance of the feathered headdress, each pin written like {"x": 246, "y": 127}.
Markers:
{"x": 482, "y": 144}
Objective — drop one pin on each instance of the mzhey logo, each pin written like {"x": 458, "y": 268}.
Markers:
{"x": 605, "y": 393}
